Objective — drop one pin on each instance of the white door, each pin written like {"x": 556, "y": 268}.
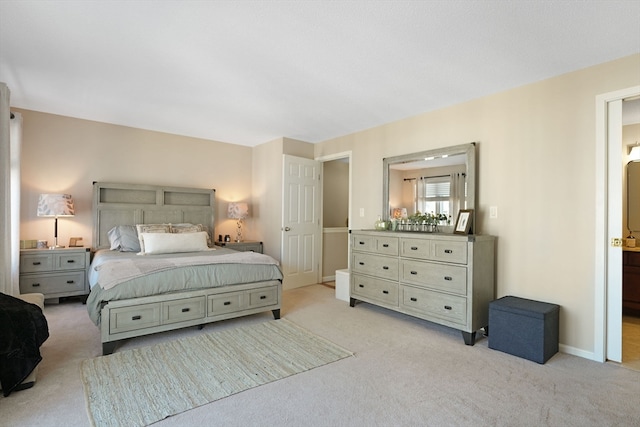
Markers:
{"x": 300, "y": 221}
{"x": 614, "y": 230}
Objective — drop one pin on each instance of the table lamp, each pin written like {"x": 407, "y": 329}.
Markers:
{"x": 55, "y": 205}
{"x": 239, "y": 211}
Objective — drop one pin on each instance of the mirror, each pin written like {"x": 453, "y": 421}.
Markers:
{"x": 432, "y": 181}
{"x": 633, "y": 196}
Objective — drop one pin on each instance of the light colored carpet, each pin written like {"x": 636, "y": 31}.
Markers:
{"x": 144, "y": 385}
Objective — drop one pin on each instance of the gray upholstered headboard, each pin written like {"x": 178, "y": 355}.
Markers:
{"x": 130, "y": 204}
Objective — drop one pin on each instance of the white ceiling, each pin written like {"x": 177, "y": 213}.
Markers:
{"x": 247, "y": 72}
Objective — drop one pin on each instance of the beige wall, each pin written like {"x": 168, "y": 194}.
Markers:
{"x": 62, "y": 154}
{"x": 536, "y": 151}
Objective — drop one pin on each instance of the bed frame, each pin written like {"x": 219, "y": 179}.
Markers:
{"x": 130, "y": 204}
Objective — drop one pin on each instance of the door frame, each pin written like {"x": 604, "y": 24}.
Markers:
{"x": 337, "y": 156}
{"x": 605, "y": 308}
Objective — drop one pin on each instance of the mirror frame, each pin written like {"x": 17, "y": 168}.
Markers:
{"x": 468, "y": 150}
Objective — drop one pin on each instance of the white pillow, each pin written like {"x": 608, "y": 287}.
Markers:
{"x": 167, "y": 243}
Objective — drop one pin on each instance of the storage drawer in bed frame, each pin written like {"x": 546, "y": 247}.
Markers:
{"x": 142, "y": 316}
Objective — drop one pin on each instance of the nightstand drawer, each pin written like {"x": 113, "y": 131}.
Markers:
{"x": 69, "y": 261}
{"x": 52, "y": 283}
{"x": 36, "y": 263}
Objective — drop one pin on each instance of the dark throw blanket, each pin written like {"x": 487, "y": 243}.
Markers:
{"x": 23, "y": 329}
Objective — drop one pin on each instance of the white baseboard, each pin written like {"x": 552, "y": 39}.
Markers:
{"x": 329, "y": 278}
{"x": 577, "y": 352}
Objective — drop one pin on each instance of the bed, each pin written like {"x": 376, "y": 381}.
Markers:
{"x": 154, "y": 268}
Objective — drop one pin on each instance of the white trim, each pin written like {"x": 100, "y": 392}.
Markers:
{"x": 601, "y": 224}
{"x": 335, "y": 230}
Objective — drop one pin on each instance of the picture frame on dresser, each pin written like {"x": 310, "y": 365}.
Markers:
{"x": 463, "y": 223}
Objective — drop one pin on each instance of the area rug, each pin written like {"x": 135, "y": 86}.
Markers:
{"x": 145, "y": 385}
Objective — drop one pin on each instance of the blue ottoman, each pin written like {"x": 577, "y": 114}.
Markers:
{"x": 524, "y": 328}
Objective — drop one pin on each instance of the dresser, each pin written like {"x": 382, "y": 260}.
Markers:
{"x": 447, "y": 279}
{"x": 631, "y": 279}
{"x": 54, "y": 273}
{"x": 244, "y": 246}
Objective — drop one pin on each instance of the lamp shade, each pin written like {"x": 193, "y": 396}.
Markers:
{"x": 634, "y": 154}
{"x": 55, "y": 205}
{"x": 238, "y": 210}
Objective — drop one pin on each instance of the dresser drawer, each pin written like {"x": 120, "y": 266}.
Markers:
{"x": 133, "y": 318}
{"x": 376, "y": 244}
{"x": 225, "y": 303}
{"x": 52, "y": 283}
{"x": 415, "y": 248}
{"x": 449, "y": 278}
{"x": 183, "y": 309}
{"x": 446, "y": 251}
{"x": 374, "y": 265}
{"x": 69, "y": 261}
{"x": 263, "y": 297}
{"x": 376, "y": 289}
{"x": 434, "y": 304}
{"x": 36, "y": 263}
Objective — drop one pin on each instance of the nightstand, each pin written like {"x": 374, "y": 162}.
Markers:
{"x": 244, "y": 246}
{"x": 55, "y": 273}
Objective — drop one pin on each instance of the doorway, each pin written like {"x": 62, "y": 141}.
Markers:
{"x": 608, "y": 265}
{"x": 336, "y": 210}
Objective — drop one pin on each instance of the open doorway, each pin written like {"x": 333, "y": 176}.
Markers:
{"x": 336, "y": 203}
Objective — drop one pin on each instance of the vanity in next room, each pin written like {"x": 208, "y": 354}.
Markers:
{"x": 427, "y": 270}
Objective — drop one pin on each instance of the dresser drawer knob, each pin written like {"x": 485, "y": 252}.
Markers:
{"x": 136, "y": 318}
{"x": 35, "y": 285}
{"x": 386, "y": 245}
{"x": 226, "y": 303}
{"x": 385, "y": 292}
{"x": 36, "y": 263}
{"x": 448, "y": 251}
{"x": 263, "y": 297}
{"x": 185, "y": 310}
{"x": 361, "y": 263}
{"x": 361, "y": 243}
{"x": 414, "y": 248}
{"x": 447, "y": 307}
{"x": 71, "y": 261}
{"x": 448, "y": 278}
{"x": 414, "y": 299}
{"x": 70, "y": 281}
{"x": 384, "y": 267}
{"x": 415, "y": 273}
{"x": 361, "y": 285}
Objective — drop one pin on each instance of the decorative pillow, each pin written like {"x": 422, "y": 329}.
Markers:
{"x": 124, "y": 238}
{"x": 167, "y": 243}
{"x": 191, "y": 228}
{"x": 148, "y": 229}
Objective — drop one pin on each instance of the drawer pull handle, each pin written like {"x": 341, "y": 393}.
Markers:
{"x": 361, "y": 263}
{"x": 136, "y": 318}
{"x": 361, "y": 243}
{"x": 384, "y": 267}
{"x": 362, "y": 286}
{"x": 386, "y": 245}
{"x": 227, "y": 303}
{"x": 70, "y": 281}
{"x": 71, "y": 261}
{"x": 185, "y": 310}
{"x": 263, "y": 297}
{"x": 414, "y": 248}
{"x": 36, "y": 263}
{"x": 447, "y": 307}
{"x": 35, "y": 285}
{"x": 448, "y": 251}
{"x": 385, "y": 292}
{"x": 449, "y": 278}
{"x": 414, "y": 273}
{"x": 414, "y": 299}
